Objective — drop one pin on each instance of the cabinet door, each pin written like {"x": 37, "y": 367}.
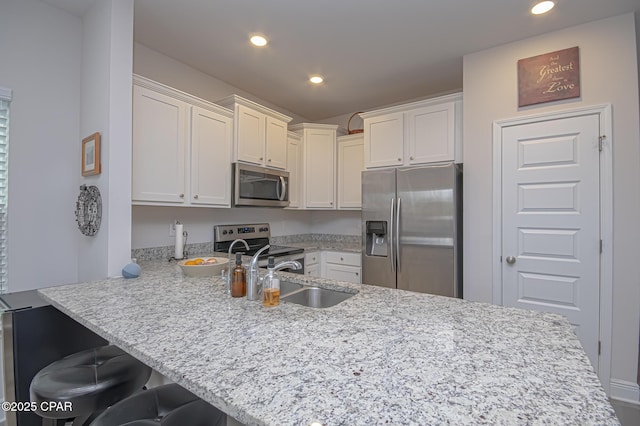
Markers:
{"x": 383, "y": 140}
{"x": 295, "y": 175}
{"x": 211, "y": 139}
{"x": 250, "y": 134}
{"x": 276, "y": 143}
{"x": 342, "y": 273}
{"x": 343, "y": 258}
{"x": 312, "y": 258}
{"x": 160, "y": 134}
{"x": 312, "y": 270}
{"x": 430, "y": 134}
{"x": 350, "y": 166}
{"x": 319, "y": 168}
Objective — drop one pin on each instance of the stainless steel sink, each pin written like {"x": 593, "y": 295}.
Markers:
{"x": 315, "y": 297}
{"x": 287, "y": 287}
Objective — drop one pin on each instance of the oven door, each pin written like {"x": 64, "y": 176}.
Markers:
{"x": 259, "y": 186}
{"x": 299, "y": 257}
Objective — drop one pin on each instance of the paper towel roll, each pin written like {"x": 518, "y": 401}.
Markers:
{"x": 179, "y": 242}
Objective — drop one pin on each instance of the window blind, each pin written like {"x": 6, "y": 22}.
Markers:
{"x": 5, "y": 100}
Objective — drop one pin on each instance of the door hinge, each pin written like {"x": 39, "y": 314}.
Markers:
{"x": 600, "y": 246}
{"x": 599, "y": 347}
{"x": 500, "y": 259}
{"x": 601, "y": 142}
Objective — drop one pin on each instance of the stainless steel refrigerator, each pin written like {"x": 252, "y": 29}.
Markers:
{"x": 412, "y": 228}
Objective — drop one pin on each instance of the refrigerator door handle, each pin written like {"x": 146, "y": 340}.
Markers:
{"x": 397, "y": 234}
{"x": 392, "y": 256}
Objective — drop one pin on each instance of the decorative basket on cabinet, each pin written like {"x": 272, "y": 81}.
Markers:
{"x": 351, "y": 132}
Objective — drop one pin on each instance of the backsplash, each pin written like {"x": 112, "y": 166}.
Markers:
{"x": 329, "y": 238}
{"x": 166, "y": 252}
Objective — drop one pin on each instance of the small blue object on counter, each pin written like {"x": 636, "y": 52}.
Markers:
{"x": 131, "y": 270}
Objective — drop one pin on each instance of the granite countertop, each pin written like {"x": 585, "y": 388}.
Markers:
{"x": 384, "y": 356}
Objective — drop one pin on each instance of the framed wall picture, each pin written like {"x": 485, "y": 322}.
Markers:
{"x": 549, "y": 77}
{"x": 91, "y": 155}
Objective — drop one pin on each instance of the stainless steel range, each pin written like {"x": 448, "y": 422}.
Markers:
{"x": 257, "y": 236}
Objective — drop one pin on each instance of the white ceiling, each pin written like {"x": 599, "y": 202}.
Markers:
{"x": 371, "y": 52}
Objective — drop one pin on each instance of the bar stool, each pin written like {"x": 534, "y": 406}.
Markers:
{"x": 168, "y": 405}
{"x": 82, "y": 385}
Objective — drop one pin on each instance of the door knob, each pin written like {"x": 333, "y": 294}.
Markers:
{"x": 511, "y": 260}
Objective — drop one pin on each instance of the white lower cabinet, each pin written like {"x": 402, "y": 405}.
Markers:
{"x": 342, "y": 273}
{"x": 343, "y": 266}
{"x": 312, "y": 263}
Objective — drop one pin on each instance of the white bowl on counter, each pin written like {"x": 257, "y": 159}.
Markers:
{"x": 210, "y": 266}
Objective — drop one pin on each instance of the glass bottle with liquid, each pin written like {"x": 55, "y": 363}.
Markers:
{"x": 239, "y": 278}
{"x": 271, "y": 285}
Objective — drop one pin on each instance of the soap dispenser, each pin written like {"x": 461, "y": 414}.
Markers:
{"x": 271, "y": 285}
{"x": 239, "y": 278}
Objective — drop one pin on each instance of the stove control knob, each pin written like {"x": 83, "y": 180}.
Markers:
{"x": 224, "y": 232}
{"x": 230, "y": 231}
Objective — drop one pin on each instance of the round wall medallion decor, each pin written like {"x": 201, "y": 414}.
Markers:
{"x": 89, "y": 210}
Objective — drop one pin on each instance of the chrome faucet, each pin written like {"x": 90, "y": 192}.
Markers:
{"x": 229, "y": 268}
{"x": 292, "y": 264}
{"x": 254, "y": 275}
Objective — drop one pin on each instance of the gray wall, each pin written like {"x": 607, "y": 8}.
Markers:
{"x": 609, "y": 74}
{"x": 41, "y": 47}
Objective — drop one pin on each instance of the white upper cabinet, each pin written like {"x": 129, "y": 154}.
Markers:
{"x": 319, "y": 164}
{"x": 350, "y": 167}
{"x": 160, "y": 132}
{"x": 250, "y": 135}
{"x": 417, "y": 133}
{"x": 431, "y": 133}
{"x": 210, "y": 153}
{"x": 384, "y": 140}
{"x": 294, "y": 167}
{"x": 276, "y": 143}
{"x": 260, "y": 133}
{"x": 181, "y": 151}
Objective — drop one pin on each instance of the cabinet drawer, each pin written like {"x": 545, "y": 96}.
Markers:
{"x": 343, "y": 258}
{"x": 312, "y": 270}
{"x": 343, "y": 273}
{"x": 312, "y": 258}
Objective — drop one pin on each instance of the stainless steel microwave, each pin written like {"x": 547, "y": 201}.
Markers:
{"x": 259, "y": 186}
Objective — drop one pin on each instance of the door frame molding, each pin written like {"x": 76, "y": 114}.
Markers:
{"x": 606, "y": 219}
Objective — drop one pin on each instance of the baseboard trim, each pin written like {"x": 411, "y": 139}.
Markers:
{"x": 625, "y": 391}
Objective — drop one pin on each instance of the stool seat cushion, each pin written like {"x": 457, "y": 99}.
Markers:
{"x": 168, "y": 405}
{"x": 90, "y": 380}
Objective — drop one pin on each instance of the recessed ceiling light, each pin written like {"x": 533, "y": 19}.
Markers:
{"x": 542, "y": 7}
{"x": 316, "y": 79}
{"x": 258, "y": 40}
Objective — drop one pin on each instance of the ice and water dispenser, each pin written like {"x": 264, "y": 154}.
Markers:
{"x": 376, "y": 240}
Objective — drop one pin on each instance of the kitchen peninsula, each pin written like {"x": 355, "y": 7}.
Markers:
{"x": 384, "y": 356}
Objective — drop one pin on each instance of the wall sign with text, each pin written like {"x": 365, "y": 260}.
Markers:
{"x": 549, "y": 77}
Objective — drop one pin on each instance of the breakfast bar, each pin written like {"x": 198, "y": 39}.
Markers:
{"x": 383, "y": 356}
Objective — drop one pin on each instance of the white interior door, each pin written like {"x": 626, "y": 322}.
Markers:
{"x": 551, "y": 221}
